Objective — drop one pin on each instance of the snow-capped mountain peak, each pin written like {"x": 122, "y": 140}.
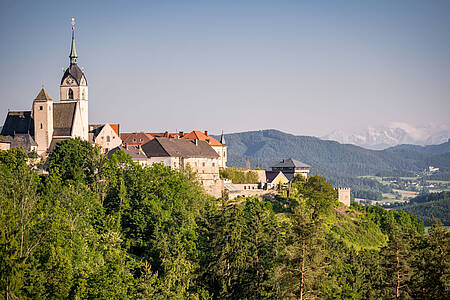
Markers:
{"x": 393, "y": 134}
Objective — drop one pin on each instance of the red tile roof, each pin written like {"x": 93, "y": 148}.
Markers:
{"x": 116, "y": 128}
{"x": 135, "y": 138}
{"x": 199, "y": 135}
{"x": 193, "y": 135}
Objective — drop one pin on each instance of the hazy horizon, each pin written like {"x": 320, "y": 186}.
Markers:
{"x": 302, "y": 68}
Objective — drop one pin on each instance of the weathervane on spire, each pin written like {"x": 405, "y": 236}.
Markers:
{"x": 73, "y": 23}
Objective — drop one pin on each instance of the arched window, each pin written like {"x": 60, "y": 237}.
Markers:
{"x": 70, "y": 94}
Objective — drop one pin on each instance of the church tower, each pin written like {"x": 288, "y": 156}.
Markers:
{"x": 74, "y": 88}
{"x": 43, "y": 121}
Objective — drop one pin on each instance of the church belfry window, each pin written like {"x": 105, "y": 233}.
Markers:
{"x": 70, "y": 94}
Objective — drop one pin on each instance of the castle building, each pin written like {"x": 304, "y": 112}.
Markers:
{"x": 196, "y": 155}
{"x": 219, "y": 147}
{"x": 48, "y": 122}
{"x": 292, "y": 167}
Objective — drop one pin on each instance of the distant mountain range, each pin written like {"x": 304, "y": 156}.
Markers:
{"x": 378, "y": 138}
{"x": 340, "y": 163}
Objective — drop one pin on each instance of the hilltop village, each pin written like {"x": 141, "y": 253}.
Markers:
{"x": 48, "y": 122}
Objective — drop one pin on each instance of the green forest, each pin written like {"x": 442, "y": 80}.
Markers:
{"x": 429, "y": 206}
{"x": 341, "y": 164}
{"x": 106, "y": 228}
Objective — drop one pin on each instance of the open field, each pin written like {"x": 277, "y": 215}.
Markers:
{"x": 406, "y": 194}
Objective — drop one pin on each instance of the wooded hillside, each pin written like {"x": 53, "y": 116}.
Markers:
{"x": 99, "y": 228}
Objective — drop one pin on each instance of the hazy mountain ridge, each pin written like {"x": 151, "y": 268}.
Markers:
{"x": 378, "y": 138}
{"x": 328, "y": 158}
{"x": 435, "y": 149}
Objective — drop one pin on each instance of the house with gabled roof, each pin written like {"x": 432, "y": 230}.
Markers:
{"x": 135, "y": 138}
{"x": 219, "y": 146}
{"x": 195, "y": 155}
{"x": 292, "y": 167}
{"x": 105, "y": 135}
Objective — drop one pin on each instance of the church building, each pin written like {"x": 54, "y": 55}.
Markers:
{"x": 49, "y": 122}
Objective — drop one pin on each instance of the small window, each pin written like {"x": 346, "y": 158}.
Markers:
{"x": 213, "y": 164}
{"x": 134, "y": 140}
{"x": 108, "y": 139}
{"x": 114, "y": 137}
{"x": 41, "y": 125}
{"x": 70, "y": 94}
{"x": 141, "y": 140}
{"x": 41, "y": 107}
{"x": 204, "y": 164}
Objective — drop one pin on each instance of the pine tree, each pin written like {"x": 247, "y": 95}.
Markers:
{"x": 431, "y": 264}
{"x": 396, "y": 267}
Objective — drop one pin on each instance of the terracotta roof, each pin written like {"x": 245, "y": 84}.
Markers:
{"x": 165, "y": 134}
{"x": 160, "y": 147}
{"x": 134, "y": 138}
{"x": 42, "y": 96}
{"x": 63, "y": 116}
{"x": 116, "y": 128}
{"x": 95, "y": 129}
{"x": 18, "y": 122}
{"x": 199, "y": 135}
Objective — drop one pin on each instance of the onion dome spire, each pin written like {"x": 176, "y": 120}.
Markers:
{"x": 73, "y": 52}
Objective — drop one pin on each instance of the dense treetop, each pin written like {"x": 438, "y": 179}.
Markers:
{"x": 99, "y": 228}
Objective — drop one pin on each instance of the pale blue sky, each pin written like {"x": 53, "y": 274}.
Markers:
{"x": 305, "y": 67}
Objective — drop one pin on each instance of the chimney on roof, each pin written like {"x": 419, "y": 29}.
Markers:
{"x": 166, "y": 134}
{"x": 196, "y": 142}
{"x": 206, "y": 132}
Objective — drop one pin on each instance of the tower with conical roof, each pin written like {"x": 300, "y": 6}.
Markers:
{"x": 43, "y": 121}
{"x": 74, "y": 88}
